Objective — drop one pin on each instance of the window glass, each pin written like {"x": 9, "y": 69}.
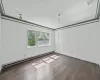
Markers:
{"x": 31, "y": 38}
{"x": 43, "y": 38}
{"x": 38, "y": 38}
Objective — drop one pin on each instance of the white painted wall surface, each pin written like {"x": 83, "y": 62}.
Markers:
{"x": 0, "y": 39}
{"x": 14, "y": 42}
{"x": 81, "y": 42}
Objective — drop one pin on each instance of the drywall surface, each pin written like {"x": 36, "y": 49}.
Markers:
{"x": 0, "y": 39}
{"x": 14, "y": 42}
{"x": 81, "y": 42}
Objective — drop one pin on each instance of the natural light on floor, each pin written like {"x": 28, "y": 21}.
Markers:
{"x": 45, "y": 61}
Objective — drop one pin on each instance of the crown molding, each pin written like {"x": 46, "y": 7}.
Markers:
{"x": 7, "y": 17}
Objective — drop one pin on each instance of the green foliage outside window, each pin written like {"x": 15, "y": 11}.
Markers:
{"x": 38, "y": 38}
{"x": 31, "y": 38}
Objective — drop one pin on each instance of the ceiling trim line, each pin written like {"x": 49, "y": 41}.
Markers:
{"x": 79, "y": 24}
{"x": 7, "y": 17}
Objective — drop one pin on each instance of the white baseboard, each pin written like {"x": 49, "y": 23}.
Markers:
{"x": 81, "y": 58}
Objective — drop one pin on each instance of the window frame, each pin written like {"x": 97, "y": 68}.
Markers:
{"x": 36, "y": 45}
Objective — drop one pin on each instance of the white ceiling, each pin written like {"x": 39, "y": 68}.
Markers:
{"x": 45, "y": 12}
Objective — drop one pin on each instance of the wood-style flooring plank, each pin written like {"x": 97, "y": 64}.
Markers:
{"x": 61, "y": 68}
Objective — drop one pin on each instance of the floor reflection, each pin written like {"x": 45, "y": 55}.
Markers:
{"x": 53, "y": 67}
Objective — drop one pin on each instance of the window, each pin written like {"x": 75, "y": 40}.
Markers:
{"x": 38, "y": 38}
{"x": 43, "y": 38}
{"x": 31, "y": 38}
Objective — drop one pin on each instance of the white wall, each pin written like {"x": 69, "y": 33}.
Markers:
{"x": 81, "y": 42}
{"x": 0, "y": 39}
{"x": 14, "y": 42}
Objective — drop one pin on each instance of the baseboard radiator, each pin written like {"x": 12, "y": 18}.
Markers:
{"x": 6, "y": 66}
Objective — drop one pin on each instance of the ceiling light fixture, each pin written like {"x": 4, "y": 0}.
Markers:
{"x": 59, "y": 16}
{"x": 19, "y": 14}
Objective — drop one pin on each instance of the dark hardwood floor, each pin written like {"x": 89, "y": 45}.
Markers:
{"x": 53, "y": 67}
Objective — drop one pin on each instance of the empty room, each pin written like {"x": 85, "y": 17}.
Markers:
{"x": 49, "y": 39}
